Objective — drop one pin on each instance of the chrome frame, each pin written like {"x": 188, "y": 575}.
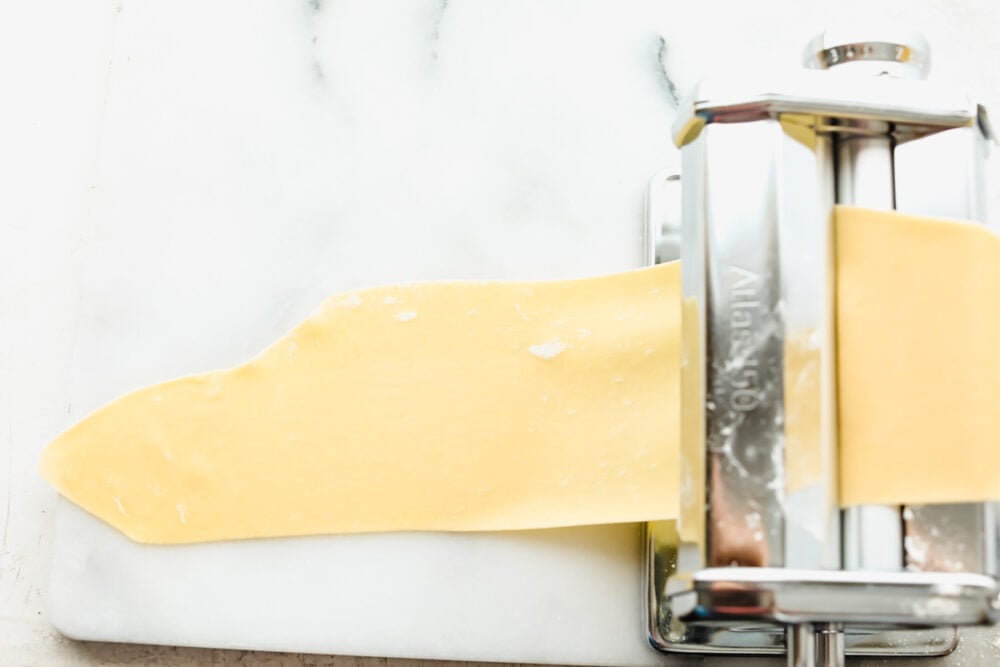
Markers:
{"x": 762, "y": 168}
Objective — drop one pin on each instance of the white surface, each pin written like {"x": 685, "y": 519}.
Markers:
{"x": 250, "y": 158}
{"x": 567, "y": 595}
{"x": 377, "y": 153}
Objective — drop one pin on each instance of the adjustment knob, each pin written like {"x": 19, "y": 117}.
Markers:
{"x": 905, "y": 56}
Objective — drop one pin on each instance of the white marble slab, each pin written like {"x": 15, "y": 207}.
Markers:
{"x": 246, "y": 175}
{"x": 256, "y": 156}
{"x": 554, "y": 596}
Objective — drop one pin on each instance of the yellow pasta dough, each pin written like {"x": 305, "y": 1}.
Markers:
{"x": 448, "y": 406}
{"x": 491, "y": 406}
{"x": 918, "y": 312}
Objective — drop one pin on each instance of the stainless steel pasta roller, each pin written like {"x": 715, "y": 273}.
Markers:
{"x": 762, "y": 559}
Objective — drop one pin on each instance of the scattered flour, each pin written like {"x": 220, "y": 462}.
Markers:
{"x": 547, "y": 350}
{"x": 118, "y": 503}
{"x": 406, "y": 317}
{"x": 349, "y": 301}
{"x": 215, "y": 382}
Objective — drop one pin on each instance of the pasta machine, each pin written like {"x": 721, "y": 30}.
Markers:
{"x": 759, "y": 562}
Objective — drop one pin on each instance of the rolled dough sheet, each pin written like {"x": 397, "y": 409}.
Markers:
{"x": 441, "y": 406}
{"x": 492, "y": 406}
{"x": 918, "y": 312}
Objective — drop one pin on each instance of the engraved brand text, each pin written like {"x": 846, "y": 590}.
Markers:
{"x": 744, "y": 378}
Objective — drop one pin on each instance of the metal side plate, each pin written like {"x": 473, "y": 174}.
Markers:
{"x": 666, "y": 632}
